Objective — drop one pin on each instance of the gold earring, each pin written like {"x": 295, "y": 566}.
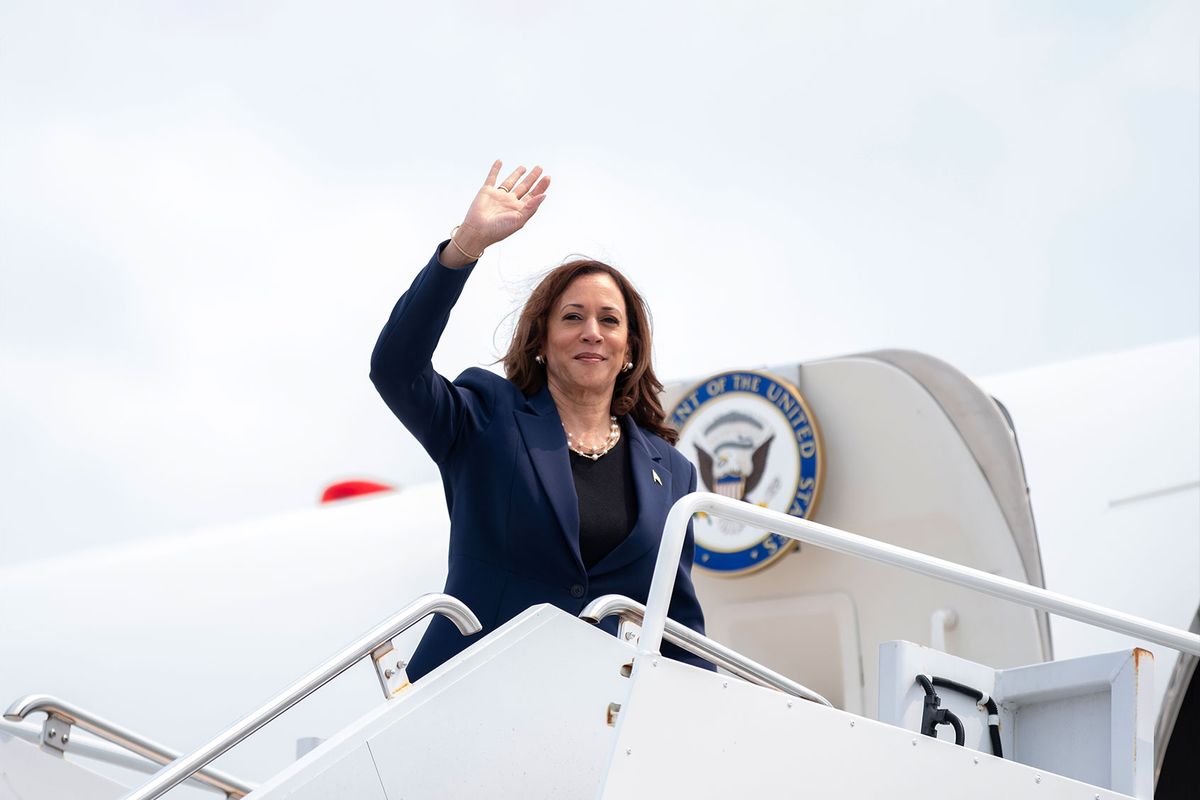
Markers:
{"x": 628, "y": 366}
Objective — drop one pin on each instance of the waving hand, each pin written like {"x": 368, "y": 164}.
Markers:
{"x": 498, "y": 211}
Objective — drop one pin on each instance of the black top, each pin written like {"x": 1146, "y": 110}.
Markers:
{"x": 607, "y": 501}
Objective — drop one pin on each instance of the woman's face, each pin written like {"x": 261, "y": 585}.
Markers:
{"x": 587, "y": 336}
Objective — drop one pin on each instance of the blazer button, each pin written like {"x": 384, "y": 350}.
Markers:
{"x": 577, "y": 590}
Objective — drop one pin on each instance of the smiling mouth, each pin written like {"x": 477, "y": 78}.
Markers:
{"x": 591, "y": 358}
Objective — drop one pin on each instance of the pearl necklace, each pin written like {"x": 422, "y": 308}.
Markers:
{"x": 594, "y": 453}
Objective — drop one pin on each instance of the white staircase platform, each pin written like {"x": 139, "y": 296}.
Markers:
{"x": 522, "y": 713}
{"x": 546, "y": 707}
{"x": 30, "y": 772}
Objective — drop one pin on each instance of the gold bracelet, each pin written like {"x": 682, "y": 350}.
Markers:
{"x": 458, "y": 247}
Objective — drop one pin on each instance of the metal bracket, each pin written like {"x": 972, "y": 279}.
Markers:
{"x": 56, "y": 732}
{"x": 628, "y": 631}
{"x": 389, "y": 669}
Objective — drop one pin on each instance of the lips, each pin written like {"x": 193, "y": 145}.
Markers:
{"x": 590, "y": 358}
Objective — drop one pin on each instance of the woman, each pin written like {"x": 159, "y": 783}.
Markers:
{"x": 558, "y": 478}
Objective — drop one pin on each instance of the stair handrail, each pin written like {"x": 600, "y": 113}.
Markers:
{"x": 676, "y": 633}
{"x": 803, "y": 530}
{"x": 435, "y": 603}
{"x": 119, "y": 735}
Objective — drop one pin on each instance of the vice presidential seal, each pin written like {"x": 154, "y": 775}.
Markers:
{"x": 753, "y": 438}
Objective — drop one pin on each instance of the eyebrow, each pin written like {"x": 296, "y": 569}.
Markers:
{"x": 602, "y": 308}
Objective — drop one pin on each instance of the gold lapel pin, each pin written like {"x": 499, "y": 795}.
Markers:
{"x": 657, "y": 479}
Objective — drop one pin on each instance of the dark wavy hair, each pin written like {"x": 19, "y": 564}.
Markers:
{"x": 636, "y": 392}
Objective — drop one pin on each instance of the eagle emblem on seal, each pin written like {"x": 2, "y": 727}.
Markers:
{"x": 752, "y": 438}
{"x": 736, "y": 464}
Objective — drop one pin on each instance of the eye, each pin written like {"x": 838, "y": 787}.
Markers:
{"x": 571, "y": 316}
{"x": 612, "y": 321}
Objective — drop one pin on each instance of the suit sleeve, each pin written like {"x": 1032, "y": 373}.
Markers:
{"x": 436, "y": 411}
{"x": 685, "y": 606}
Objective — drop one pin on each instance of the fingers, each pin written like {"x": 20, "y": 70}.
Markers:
{"x": 522, "y": 188}
{"x": 536, "y": 197}
{"x": 532, "y": 203}
{"x": 541, "y": 187}
{"x": 493, "y": 173}
{"x": 510, "y": 184}
{"x": 511, "y": 180}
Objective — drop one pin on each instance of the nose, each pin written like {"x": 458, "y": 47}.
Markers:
{"x": 590, "y": 331}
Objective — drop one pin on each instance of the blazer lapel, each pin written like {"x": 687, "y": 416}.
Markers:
{"x": 652, "y": 485}
{"x": 546, "y": 444}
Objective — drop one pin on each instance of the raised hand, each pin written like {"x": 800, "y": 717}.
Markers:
{"x": 498, "y": 211}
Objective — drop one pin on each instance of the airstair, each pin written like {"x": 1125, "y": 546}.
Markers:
{"x": 548, "y": 705}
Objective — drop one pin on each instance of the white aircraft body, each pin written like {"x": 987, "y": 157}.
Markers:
{"x": 1097, "y": 498}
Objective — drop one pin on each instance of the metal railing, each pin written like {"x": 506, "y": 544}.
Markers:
{"x": 365, "y": 645}
{"x": 65, "y": 715}
{"x": 698, "y": 644}
{"x": 804, "y": 530}
{"x": 90, "y": 748}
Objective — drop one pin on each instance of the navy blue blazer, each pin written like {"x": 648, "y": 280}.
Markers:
{"x": 514, "y": 514}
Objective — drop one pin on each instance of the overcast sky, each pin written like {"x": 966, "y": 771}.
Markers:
{"x": 207, "y": 211}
